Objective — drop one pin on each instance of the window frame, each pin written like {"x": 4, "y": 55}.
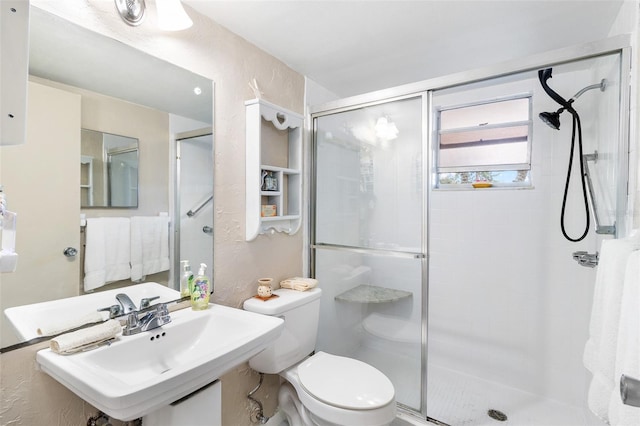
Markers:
{"x": 514, "y": 167}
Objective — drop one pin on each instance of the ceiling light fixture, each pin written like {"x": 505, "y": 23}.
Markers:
{"x": 172, "y": 16}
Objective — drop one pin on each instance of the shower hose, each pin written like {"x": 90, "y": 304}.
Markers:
{"x": 576, "y": 128}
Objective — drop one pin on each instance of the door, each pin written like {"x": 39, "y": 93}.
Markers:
{"x": 41, "y": 180}
{"x": 368, "y": 251}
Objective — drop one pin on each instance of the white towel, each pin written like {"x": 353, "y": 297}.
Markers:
{"x": 600, "y": 349}
{"x": 149, "y": 246}
{"x": 107, "y": 251}
{"x": 85, "y": 337}
{"x": 56, "y": 326}
{"x": 299, "y": 283}
{"x": 628, "y": 350}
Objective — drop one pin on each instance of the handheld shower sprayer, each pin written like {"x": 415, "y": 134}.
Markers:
{"x": 552, "y": 119}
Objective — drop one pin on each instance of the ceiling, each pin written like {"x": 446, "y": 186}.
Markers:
{"x": 353, "y": 47}
{"x": 64, "y": 52}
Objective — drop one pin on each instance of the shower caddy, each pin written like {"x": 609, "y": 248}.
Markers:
{"x": 287, "y": 197}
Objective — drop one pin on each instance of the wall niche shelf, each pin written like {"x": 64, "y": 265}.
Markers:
{"x": 273, "y": 168}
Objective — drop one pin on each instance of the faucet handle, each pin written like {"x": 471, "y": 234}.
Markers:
{"x": 146, "y": 302}
{"x": 132, "y": 320}
{"x": 114, "y": 311}
{"x": 162, "y": 310}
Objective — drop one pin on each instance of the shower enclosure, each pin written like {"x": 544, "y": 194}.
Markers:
{"x": 369, "y": 240}
{"x": 193, "y": 201}
{"x": 468, "y": 299}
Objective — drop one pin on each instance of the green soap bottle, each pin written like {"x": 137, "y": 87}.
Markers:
{"x": 186, "y": 279}
{"x": 201, "y": 289}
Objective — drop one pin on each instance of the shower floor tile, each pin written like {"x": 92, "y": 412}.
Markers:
{"x": 460, "y": 399}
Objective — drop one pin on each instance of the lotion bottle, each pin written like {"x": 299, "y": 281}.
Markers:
{"x": 201, "y": 290}
{"x": 186, "y": 279}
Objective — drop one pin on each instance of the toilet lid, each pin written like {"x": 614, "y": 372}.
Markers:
{"x": 345, "y": 382}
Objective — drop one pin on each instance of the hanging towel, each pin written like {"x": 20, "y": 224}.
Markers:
{"x": 107, "y": 250}
{"x": 149, "y": 246}
{"x": 628, "y": 350}
{"x": 600, "y": 349}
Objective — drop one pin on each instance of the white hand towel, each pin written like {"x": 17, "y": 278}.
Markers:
{"x": 107, "y": 251}
{"x": 600, "y": 350}
{"x": 149, "y": 245}
{"x": 628, "y": 350}
{"x": 62, "y": 325}
{"x": 299, "y": 283}
{"x": 86, "y": 336}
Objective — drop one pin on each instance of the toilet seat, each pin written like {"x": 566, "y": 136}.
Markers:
{"x": 345, "y": 382}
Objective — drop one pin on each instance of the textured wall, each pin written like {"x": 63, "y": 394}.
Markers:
{"x": 29, "y": 397}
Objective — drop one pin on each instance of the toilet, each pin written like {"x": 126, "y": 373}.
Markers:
{"x": 320, "y": 389}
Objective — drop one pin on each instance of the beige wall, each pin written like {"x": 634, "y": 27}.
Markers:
{"x": 37, "y": 176}
{"x": 151, "y": 128}
{"x": 28, "y": 396}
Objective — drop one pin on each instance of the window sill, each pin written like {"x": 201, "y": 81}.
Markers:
{"x": 495, "y": 187}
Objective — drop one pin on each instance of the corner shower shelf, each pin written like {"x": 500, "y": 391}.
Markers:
{"x": 260, "y": 140}
{"x": 372, "y": 294}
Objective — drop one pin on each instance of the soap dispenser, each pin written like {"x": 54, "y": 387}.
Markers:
{"x": 201, "y": 290}
{"x": 186, "y": 279}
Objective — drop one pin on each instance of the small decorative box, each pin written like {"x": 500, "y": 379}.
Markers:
{"x": 268, "y": 210}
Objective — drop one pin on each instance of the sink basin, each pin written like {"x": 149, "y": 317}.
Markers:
{"x": 139, "y": 374}
{"x": 26, "y": 319}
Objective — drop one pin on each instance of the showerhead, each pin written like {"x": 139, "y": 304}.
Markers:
{"x": 552, "y": 119}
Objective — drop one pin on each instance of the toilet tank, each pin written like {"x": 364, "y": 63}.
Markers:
{"x": 301, "y": 312}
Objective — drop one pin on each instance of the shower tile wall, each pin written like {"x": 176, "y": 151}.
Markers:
{"x": 507, "y": 303}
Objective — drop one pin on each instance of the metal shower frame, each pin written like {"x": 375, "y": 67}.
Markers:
{"x": 614, "y": 45}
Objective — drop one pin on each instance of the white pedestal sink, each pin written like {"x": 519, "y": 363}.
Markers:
{"x": 139, "y": 374}
{"x": 27, "y": 319}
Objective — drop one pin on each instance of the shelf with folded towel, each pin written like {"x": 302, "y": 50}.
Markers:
{"x": 372, "y": 294}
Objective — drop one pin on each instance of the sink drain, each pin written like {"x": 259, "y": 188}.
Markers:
{"x": 497, "y": 415}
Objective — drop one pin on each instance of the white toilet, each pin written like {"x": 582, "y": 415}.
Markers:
{"x": 321, "y": 389}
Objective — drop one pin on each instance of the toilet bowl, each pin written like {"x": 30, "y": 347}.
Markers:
{"x": 336, "y": 390}
{"x": 321, "y": 389}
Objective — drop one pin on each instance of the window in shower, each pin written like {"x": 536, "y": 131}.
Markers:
{"x": 485, "y": 141}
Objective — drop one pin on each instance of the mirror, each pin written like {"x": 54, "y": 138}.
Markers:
{"x": 68, "y": 57}
{"x": 108, "y": 170}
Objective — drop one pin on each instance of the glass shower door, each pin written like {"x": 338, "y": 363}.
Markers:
{"x": 368, "y": 250}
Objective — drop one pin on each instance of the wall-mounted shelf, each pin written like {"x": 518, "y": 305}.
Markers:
{"x": 86, "y": 178}
{"x": 273, "y": 168}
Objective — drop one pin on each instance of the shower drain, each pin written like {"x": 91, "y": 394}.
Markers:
{"x": 497, "y": 415}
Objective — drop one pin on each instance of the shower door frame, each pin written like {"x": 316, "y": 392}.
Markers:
{"x": 179, "y": 137}
{"x": 615, "y": 45}
{"x": 425, "y": 98}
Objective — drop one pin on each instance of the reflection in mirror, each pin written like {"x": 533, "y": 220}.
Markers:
{"x": 108, "y": 170}
{"x": 75, "y": 76}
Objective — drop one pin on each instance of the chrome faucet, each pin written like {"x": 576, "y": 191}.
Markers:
{"x": 126, "y": 306}
{"x": 126, "y": 303}
{"x": 152, "y": 319}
